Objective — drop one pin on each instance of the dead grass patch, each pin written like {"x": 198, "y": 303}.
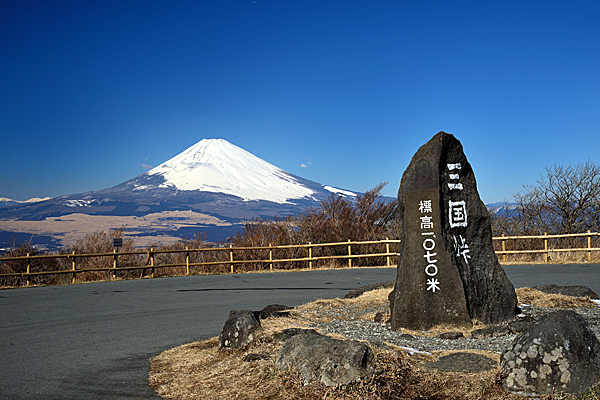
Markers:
{"x": 199, "y": 371}
{"x": 537, "y": 298}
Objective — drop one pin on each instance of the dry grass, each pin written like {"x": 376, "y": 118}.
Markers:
{"x": 199, "y": 371}
{"x": 536, "y": 298}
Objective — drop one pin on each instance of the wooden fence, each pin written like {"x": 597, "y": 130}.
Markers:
{"x": 545, "y": 249}
{"x": 229, "y": 256}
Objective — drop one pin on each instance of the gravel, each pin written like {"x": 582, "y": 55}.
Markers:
{"x": 374, "y": 333}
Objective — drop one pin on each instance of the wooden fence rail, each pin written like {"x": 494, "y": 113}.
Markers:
{"x": 231, "y": 260}
{"x": 547, "y": 250}
{"x": 228, "y": 256}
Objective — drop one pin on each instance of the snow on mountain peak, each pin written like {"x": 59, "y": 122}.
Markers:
{"x": 215, "y": 165}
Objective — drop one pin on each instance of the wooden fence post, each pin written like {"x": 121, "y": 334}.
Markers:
{"x": 589, "y": 246}
{"x": 387, "y": 250}
{"x": 152, "y": 262}
{"x": 231, "y": 256}
{"x": 74, "y": 274}
{"x": 187, "y": 261}
{"x": 115, "y": 262}
{"x": 350, "y": 254}
{"x": 309, "y": 249}
{"x": 503, "y": 248}
{"x": 546, "y": 248}
{"x": 270, "y": 257}
{"x": 28, "y": 269}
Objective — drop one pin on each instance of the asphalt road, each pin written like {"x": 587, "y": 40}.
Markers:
{"x": 94, "y": 341}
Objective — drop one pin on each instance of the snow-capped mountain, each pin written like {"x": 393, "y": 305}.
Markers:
{"x": 215, "y": 165}
{"x": 215, "y": 168}
{"x": 213, "y": 178}
{"x": 4, "y": 202}
{"x": 501, "y": 208}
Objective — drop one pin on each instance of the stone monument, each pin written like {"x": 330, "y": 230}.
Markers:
{"x": 448, "y": 272}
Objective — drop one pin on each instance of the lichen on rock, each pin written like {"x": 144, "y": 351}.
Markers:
{"x": 558, "y": 354}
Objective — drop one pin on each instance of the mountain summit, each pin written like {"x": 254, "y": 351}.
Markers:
{"x": 215, "y": 165}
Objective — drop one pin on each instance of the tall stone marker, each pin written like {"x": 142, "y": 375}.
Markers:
{"x": 448, "y": 272}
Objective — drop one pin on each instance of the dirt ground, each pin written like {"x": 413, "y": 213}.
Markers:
{"x": 68, "y": 228}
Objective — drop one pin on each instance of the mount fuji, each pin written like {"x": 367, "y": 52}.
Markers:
{"x": 217, "y": 166}
{"x": 212, "y": 187}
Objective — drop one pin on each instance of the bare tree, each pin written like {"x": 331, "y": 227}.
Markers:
{"x": 370, "y": 217}
{"x": 564, "y": 200}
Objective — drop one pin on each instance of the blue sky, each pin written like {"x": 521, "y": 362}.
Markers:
{"x": 342, "y": 93}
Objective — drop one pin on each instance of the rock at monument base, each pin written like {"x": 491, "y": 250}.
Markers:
{"x": 491, "y": 331}
{"x": 558, "y": 354}
{"x": 519, "y": 326}
{"x": 364, "y": 289}
{"x": 378, "y": 319}
{"x": 239, "y": 329}
{"x": 285, "y": 334}
{"x": 253, "y": 357}
{"x": 332, "y": 361}
{"x": 448, "y": 272}
{"x": 451, "y": 335}
{"x": 572, "y": 290}
{"x": 274, "y": 311}
{"x": 462, "y": 362}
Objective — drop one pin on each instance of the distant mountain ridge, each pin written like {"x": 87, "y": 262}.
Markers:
{"x": 5, "y": 202}
{"x": 212, "y": 177}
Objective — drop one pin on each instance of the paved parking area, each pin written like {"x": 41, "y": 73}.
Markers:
{"x": 94, "y": 341}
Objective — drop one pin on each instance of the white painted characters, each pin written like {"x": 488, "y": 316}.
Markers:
{"x": 433, "y": 285}
{"x": 426, "y": 222}
{"x": 425, "y": 206}
{"x": 429, "y": 244}
{"x": 431, "y": 269}
{"x": 461, "y": 248}
{"x": 457, "y": 212}
{"x": 454, "y": 176}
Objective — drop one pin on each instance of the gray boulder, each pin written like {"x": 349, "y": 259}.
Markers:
{"x": 451, "y": 335}
{"x": 558, "y": 354}
{"x": 448, "y": 272}
{"x": 374, "y": 286}
{"x": 571, "y": 290}
{"x": 285, "y": 334}
{"x": 334, "y": 362}
{"x": 519, "y": 326}
{"x": 462, "y": 362}
{"x": 274, "y": 311}
{"x": 239, "y": 329}
{"x": 253, "y": 357}
{"x": 491, "y": 331}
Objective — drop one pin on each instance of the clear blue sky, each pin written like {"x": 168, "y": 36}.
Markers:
{"x": 342, "y": 93}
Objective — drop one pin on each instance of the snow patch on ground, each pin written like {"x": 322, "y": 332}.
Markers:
{"x": 412, "y": 351}
{"x": 78, "y": 203}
